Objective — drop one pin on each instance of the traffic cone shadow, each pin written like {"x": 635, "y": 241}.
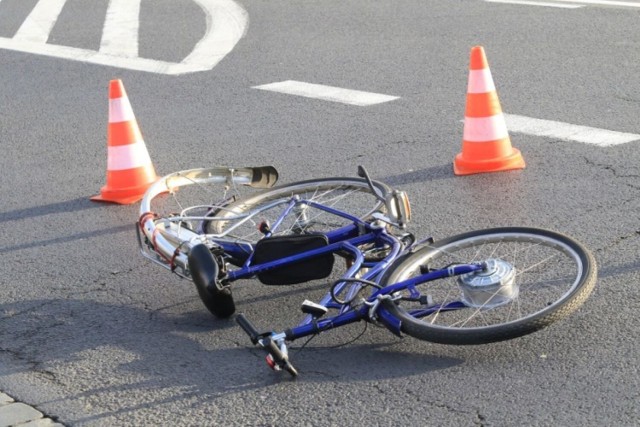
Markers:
{"x": 486, "y": 146}
{"x": 129, "y": 169}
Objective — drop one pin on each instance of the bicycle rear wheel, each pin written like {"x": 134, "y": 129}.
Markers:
{"x": 534, "y": 277}
{"x": 350, "y": 195}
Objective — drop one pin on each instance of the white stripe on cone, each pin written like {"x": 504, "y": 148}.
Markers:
{"x": 120, "y": 110}
{"x": 480, "y": 81}
{"x": 121, "y": 157}
{"x": 483, "y": 129}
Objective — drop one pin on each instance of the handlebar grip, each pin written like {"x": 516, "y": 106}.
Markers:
{"x": 248, "y": 327}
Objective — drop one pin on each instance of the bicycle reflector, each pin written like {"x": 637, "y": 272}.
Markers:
{"x": 398, "y": 207}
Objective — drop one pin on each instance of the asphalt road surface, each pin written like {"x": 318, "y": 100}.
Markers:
{"x": 92, "y": 334}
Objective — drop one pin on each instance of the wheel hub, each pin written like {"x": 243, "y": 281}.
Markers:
{"x": 491, "y": 287}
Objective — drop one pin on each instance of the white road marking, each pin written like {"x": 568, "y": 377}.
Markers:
{"x": 327, "y": 93}
{"x": 37, "y": 26}
{"x": 120, "y": 32}
{"x": 537, "y": 3}
{"x": 603, "y": 2}
{"x": 567, "y": 132}
{"x": 226, "y": 24}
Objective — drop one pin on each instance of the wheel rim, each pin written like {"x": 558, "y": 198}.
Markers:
{"x": 546, "y": 273}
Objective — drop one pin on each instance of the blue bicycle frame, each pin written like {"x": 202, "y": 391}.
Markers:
{"x": 347, "y": 239}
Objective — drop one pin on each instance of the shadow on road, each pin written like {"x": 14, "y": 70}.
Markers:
{"x": 92, "y": 350}
{"x": 74, "y": 205}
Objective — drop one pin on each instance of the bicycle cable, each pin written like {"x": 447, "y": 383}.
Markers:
{"x": 298, "y": 350}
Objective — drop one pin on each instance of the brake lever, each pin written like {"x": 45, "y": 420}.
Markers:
{"x": 277, "y": 356}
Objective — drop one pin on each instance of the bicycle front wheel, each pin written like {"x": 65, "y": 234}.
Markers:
{"x": 533, "y": 278}
{"x": 350, "y": 195}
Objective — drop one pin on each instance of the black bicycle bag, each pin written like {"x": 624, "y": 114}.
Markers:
{"x": 278, "y": 247}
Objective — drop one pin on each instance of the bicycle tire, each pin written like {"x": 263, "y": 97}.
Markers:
{"x": 530, "y": 309}
{"x": 351, "y": 195}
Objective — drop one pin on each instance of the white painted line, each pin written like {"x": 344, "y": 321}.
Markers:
{"x": 94, "y": 57}
{"x": 226, "y": 25}
{"x": 567, "y": 132}
{"x": 537, "y": 3}
{"x": 603, "y": 2}
{"x": 327, "y": 93}
{"x": 120, "y": 32}
{"x": 37, "y": 26}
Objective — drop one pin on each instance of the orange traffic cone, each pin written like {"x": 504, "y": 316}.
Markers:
{"x": 486, "y": 146}
{"x": 129, "y": 168}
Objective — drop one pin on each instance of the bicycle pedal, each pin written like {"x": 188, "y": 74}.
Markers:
{"x": 316, "y": 310}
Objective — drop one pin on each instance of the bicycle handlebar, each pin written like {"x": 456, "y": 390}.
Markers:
{"x": 248, "y": 327}
{"x": 277, "y": 358}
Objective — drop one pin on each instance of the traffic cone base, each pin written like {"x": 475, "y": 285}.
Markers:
{"x": 121, "y": 197}
{"x": 511, "y": 161}
{"x": 119, "y": 190}
{"x": 129, "y": 169}
{"x": 486, "y": 146}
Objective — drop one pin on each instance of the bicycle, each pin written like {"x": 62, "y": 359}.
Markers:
{"x": 478, "y": 287}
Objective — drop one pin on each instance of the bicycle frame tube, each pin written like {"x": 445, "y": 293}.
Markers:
{"x": 250, "y": 270}
{"x": 455, "y": 270}
{"x": 241, "y": 250}
{"x": 387, "y": 319}
{"x": 375, "y": 270}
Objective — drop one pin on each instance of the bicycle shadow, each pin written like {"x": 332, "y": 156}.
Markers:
{"x": 176, "y": 355}
{"x": 73, "y": 205}
{"x": 367, "y": 362}
{"x": 66, "y": 239}
{"x": 421, "y": 175}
